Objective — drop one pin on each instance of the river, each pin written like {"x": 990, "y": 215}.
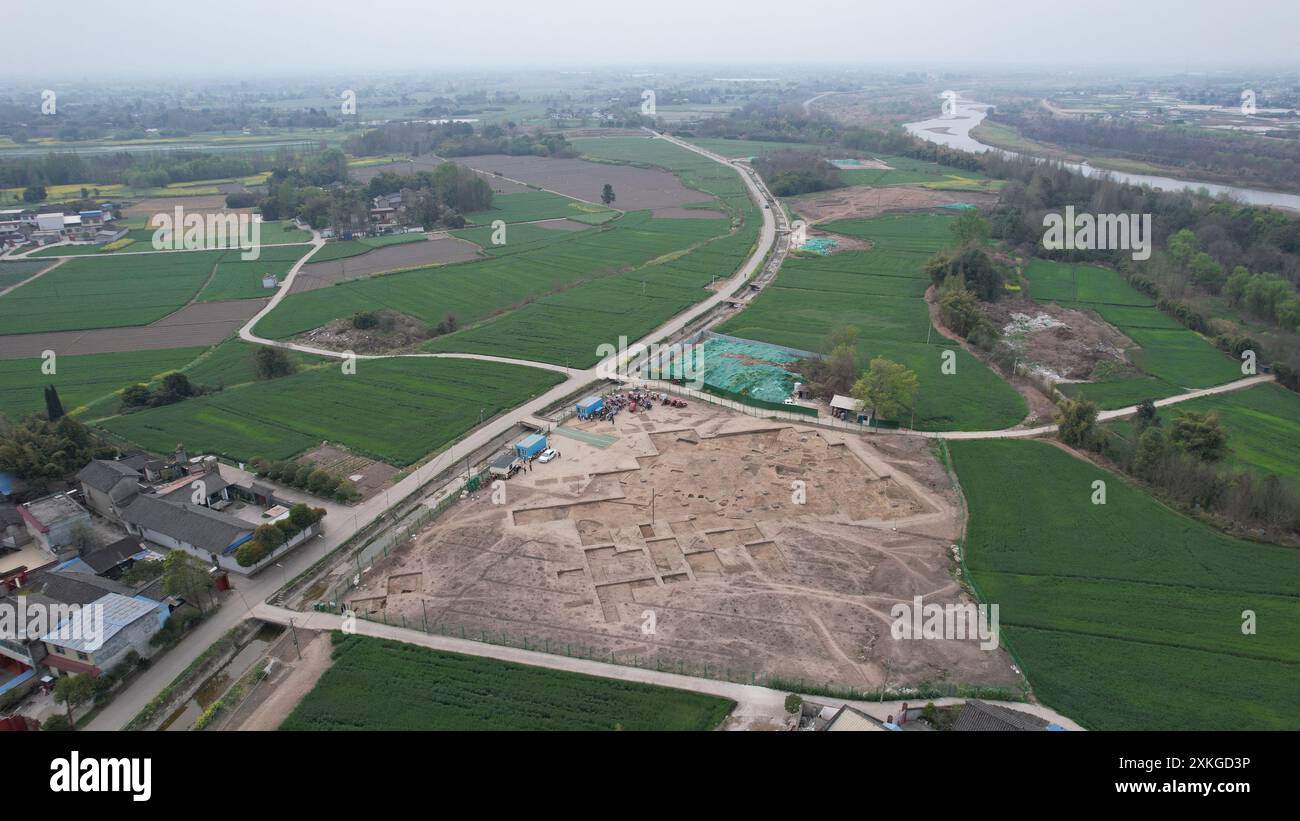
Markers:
{"x": 954, "y": 132}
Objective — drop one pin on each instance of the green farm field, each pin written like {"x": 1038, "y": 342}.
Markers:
{"x": 529, "y": 206}
{"x": 478, "y": 289}
{"x": 396, "y": 410}
{"x": 110, "y": 291}
{"x": 343, "y": 249}
{"x": 881, "y": 292}
{"x": 12, "y": 273}
{"x": 736, "y": 149}
{"x": 1127, "y": 615}
{"x": 84, "y": 379}
{"x": 909, "y": 171}
{"x": 555, "y": 296}
{"x": 1171, "y": 358}
{"x": 272, "y": 233}
{"x": 378, "y": 684}
{"x": 107, "y": 292}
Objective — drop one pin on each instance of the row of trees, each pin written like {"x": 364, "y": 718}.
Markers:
{"x": 457, "y": 140}
{"x": 1185, "y": 464}
{"x": 1239, "y": 159}
{"x": 268, "y": 537}
{"x": 310, "y": 478}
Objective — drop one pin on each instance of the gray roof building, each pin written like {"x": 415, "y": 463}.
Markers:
{"x": 981, "y": 716}
{"x": 200, "y": 527}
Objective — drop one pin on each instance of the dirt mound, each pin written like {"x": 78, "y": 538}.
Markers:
{"x": 392, "y": 332}
{"x": 1062, "y": 343}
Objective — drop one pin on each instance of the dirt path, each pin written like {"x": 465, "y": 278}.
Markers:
{"x": 37, "y": 275}
{"x": 286, "y": 691}
{"x": 1040, "y": 406}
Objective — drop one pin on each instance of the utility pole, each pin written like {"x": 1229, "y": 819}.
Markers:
{"x": 294, "y": 631}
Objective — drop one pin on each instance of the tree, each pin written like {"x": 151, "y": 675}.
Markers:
{"x": 1151, "y": 450}
{"x": 34, "y": 193}
{"x": 959, "y": 310}
{"x": 1183, "y": 245}
{"x": 72, "y": 692}
{"x": 184, "y": 576}
{"x": 1207, "y": 272}
{"x": 39, "y": 451}
{"x": 175, "y": 387}
{"x": 272, "y": 363}
{"x": 1199, "y": 434}
{"x": 607, "y": 194}
{"x": 1076, "y": 421}
{"x": 53, "y": 406}
{"x": 302, "y": 474}
{"x": 304, "y": 516}
{"x": 136, "y": 396}
{"x": 888, "y": 388}
{"x": 1147, "y": 415}
{"x": 842, "y": 336}
{"x": 971, "y": 228}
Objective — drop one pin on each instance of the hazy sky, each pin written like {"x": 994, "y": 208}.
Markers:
{"x": 240, "y": 37}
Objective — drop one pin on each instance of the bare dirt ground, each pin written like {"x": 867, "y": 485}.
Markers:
{"x": 385, "y": 258}
{"x": 562, "y": 225}
{"x": 692, "y": 519}
{"x": 427, "y": 163}
{"x": 271, "y": 702}
{"x": 863, "y": 201}
{"x": 196, "y": 325}
{"x": 635, "y": 188}
{"x": 369, "y": 475}
{"x": 208, "y": 203}
{"x": 396, "y": 332}
{"x": 1068, "y": 343}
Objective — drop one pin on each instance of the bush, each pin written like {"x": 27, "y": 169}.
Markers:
{"x": 365, "y": 320}
{"x": 301, "y": 475}
{"x": 793, "y": 703}
{"x": 272, "y": 363}
{"x": 346, "y": 492}
{"x": 56, "y": 723}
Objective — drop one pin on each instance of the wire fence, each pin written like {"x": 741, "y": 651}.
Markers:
{"x": 388, "y": 540}
{"x": 766, "y": 413}
{"x": 686, "y": 667}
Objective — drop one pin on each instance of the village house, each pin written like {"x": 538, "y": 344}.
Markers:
{"x": 108, "y": 485}
{"x": 128, "y": 624}
{"x": 55, "y": 521}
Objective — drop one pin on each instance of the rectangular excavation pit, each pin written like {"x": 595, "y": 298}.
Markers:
{"x": 767, "y": 557}
{"x": 705, "y": 565}
{"x": 667, "y": 555}
{"x": 405, "y": 583}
